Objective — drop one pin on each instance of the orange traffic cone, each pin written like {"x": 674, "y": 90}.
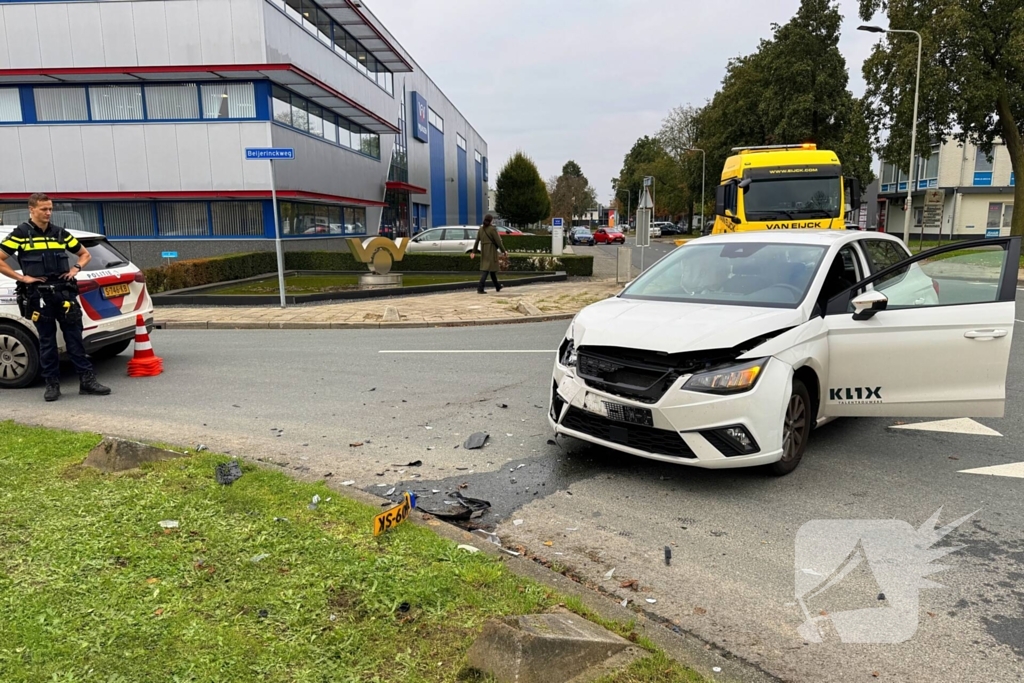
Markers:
{"x": 145, "y": 363}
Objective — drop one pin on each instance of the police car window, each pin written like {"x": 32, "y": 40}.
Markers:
{"x": 103, "y": 255}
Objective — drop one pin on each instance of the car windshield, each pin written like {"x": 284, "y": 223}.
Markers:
{"x": 792, "y": 198}
{"x": 771, "y": 275}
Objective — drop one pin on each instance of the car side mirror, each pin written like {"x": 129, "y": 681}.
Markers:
{"x": 866, "y": 304}
{"x": 745, "y": 183}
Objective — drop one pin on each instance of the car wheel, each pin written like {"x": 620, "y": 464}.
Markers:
{"x": 19, "y": 357}
{"x": 111, "y": 350}
{"x": 796, "y": 428}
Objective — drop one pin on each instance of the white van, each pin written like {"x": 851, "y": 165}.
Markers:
{"x": 112, "y": 292}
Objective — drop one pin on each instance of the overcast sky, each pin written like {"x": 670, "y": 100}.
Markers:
{"x": 583, "y": 79}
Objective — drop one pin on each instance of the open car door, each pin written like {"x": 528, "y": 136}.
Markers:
{"x": 927, "y": 337}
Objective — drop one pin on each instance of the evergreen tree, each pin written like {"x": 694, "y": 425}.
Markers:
{"x": 522, "y": 197}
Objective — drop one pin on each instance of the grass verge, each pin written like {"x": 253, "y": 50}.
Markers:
{"x": 252, "y": 585}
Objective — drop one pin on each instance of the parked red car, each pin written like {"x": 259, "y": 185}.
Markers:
{"x": 609, "y": 236}
{"x": 505, "y": 232}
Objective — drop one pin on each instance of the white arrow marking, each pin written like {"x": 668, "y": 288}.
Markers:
{"x": 962, "y": 425}
{"x": 1014, "y": 469}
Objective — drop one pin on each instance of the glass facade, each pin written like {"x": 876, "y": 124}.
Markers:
{"x": 164, "y": 102}
{"x": 307, "y": 219}
{"x": 297, "y": 112}
{"x": 395, "y": 217}
{"x": 399, "y": 169}
{"x": 318, "y": 22}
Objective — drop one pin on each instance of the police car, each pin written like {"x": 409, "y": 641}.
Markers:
{"x": 112, "y": 293}
{"x": 730, "y": 349}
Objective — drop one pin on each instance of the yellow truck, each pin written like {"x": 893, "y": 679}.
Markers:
{"x": 784, "y": 187}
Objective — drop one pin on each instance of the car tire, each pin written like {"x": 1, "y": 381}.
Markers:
{"x": 111, "y": 350}
{"x": 796, "y": 428}
{"x": 19, "y": 357}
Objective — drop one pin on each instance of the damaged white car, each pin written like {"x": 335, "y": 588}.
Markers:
{"x": 728, "y": 351}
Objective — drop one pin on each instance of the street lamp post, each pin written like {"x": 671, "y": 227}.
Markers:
{"x": 913, "y": 126}
{"x": 703, "y": 161}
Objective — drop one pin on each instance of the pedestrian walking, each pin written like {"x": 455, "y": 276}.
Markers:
{"x": 48, "y": 292}
{"x": 488, "y": 245}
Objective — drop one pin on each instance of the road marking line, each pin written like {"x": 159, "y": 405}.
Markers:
{"x": 1017, "y": 320}
{"x": 1014, "y": 469}
{"x": 963, "y": 425}
{"x": 467, "y": 351}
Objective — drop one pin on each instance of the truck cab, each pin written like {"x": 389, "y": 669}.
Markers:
{"x": 783, "y": 187}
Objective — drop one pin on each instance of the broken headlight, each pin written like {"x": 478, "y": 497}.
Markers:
{"x": 567, "y": 353}
{"x": 728, "y": 380}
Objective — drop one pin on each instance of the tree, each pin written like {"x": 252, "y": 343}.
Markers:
{"x": 571, "y": 168}
{"x": 571, "y": 196}
{"x": 649, "y": 158}
{"x": 972, "y": 79}
{"x": 679, "y": 135}
{"x": 522, "y": 198}
{"x": 793, "y": 89}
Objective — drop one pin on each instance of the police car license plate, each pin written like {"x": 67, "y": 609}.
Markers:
{"x": 116, "y": 290}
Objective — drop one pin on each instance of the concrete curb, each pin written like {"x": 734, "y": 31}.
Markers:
{"x": 303, "y": 325}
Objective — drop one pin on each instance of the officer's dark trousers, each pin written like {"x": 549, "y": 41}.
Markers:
{"x": 48, "y": 356}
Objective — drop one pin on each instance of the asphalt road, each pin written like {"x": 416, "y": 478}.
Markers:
{"x": 300, "y": 399}
{"x": 606, "y": 252}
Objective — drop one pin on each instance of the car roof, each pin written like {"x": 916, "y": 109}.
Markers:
{"x": 825, "y": 238}
{"x": 78, "y": 234}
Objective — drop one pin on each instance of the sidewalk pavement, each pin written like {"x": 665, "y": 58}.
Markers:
{"x": 527, "y": 303}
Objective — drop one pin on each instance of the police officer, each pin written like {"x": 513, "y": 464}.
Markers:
{"x": 48, "y": 293}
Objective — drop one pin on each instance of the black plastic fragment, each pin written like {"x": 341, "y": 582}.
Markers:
{"x": 228, "y": 473}
{"x": 476, "y": 440}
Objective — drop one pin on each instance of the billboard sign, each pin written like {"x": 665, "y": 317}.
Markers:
{"x": 420, "y": 131}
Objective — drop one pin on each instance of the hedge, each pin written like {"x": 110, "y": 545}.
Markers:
{"x": 199, "y": 272}
{"x": 537, "y": 244}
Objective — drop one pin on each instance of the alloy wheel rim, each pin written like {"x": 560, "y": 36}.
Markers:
{"x": 793, "y": 428}
{"x": 13, "y": 358}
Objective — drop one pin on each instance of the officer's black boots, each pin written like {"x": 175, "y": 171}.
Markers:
{"x": 89, "y": 385}
{"x": 52, "y": 390}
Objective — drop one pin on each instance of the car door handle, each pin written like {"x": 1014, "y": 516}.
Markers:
{"x": 984, "y": 334}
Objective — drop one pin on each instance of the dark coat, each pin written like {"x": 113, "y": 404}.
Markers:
{"x": 488, "y": 244}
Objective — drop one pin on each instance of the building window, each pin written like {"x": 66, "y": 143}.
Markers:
{"x": 237, "y": 218}
{"x": 435, "y": 120}
{"x": 304, "y": 219}
{"x": 982, "y": 170}
{"x": 296, "y": 112}
{"x": 116, "y": 103}
{"x": 182, "y": 219}
{"x": 83, "y": 216}
{"x": 1007, "y": 216}
{"x": 399, "y": 169}
{"x": 177, "y": 102}
{"x": 995, "y": 213}
{"x": 460, "y": 141}
{"x": 128, "y": 219}
{"x": 229, "y": 101}
{"x": 478, "y": 157}
{"x": 928, "y": 169}
{"x": 172, "y": 102}
{"x": 318, "y": 22}
{"x": 61, "y": 104}
{"x": 10, "y": 105}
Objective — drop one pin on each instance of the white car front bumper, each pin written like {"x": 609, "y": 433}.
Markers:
{"x": 682, "y": 422}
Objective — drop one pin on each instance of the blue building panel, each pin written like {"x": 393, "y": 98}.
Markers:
{"x": 479, "y": 193}
{"x": 983, "y": 178}
{"x": 438, "y": 181}
{"x": 463, "y": 173}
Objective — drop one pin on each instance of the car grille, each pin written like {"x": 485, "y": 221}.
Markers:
{"x": 647, "y": 439}
{"x": 641, "y": 375}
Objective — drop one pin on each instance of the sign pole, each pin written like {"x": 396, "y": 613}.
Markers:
{"x": 277, "y": 235}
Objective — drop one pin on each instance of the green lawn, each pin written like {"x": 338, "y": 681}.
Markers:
{"x": 319, "y": 284}
{"x": 252, "y": 586}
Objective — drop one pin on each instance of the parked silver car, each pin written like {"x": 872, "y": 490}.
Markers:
{"x": 450, "y": 239}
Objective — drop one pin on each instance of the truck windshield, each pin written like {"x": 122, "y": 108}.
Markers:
{"x": 792, "y": 198}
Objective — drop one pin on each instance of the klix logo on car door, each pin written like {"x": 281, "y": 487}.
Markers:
{"x": 855, "y": 394}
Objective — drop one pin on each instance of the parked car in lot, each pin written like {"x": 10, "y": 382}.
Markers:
{"x": 504, "y": 231}
{"x": 581, "y": 236}
{"x": 450, "y": 239}
{"x": 112, "y": 292}
{"x": 609, "y": 236}
{"x": 670, "y": 229}
{"x": 656, "y": 229}
{"x": 731, "y": 348}
{"x": 663, "y": 228}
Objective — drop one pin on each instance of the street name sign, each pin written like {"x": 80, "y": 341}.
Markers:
{"x": 271, "y": 153}
{"x": 169, "y": 254}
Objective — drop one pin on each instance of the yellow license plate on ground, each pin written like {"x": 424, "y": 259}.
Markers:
{"x": 393, "y": 517}
{"x": 116, "y": 290}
